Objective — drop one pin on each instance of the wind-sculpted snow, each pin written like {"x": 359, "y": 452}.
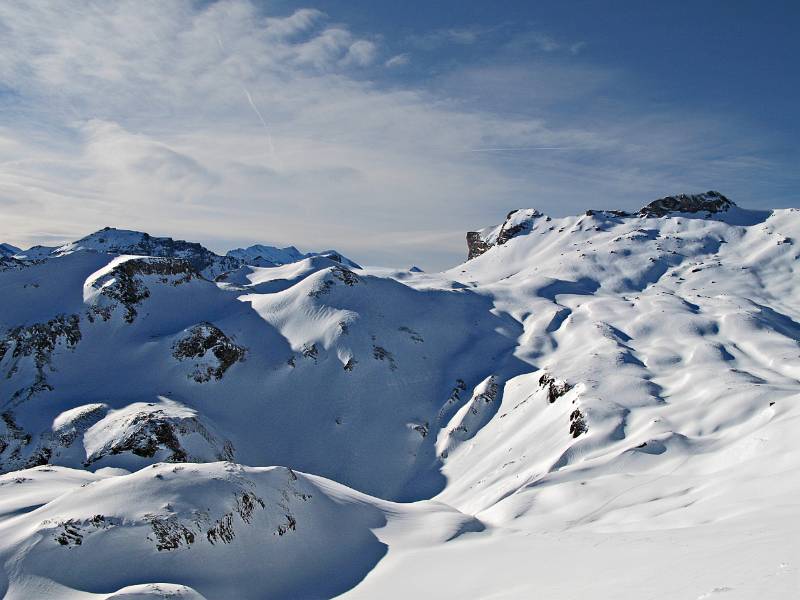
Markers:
{"x": 228, "y": 530}
{"x": 583, "y": 388}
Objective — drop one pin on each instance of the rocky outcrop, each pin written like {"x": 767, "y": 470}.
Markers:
{"x": 476, "y": 245}
{"x": 125, "y": 284}
{"x": 518, "y": 222}
{"x": 15, "y": 445}
{"x": 213, "y": 352}
{"x": 710, "y": 202}
{"x": 19, "y": 449}
{"x": 577, "y": 422}
{"x": 465, "y": 424}
{"x": 381, "y": 353}
{"x": 36, "y": 342}
{"x": 452, "y": 401}
{"x": 121, "y": 241}
{"x": 8, "y": 250}
{"x": 555, "y": 389}
{"x": 167, "y": 432}
{"x": 9, "y": 263}
{"x": 342, "y": 274}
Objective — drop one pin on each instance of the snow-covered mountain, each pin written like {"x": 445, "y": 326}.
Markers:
{"x": 601, "y": 405}
{"x": 8, "y": 250}
{"x": 260, "y": 255}
{"x": 120, "y": 242}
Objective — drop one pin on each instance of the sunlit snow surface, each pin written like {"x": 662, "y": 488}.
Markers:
{"x": 410, "y": 413}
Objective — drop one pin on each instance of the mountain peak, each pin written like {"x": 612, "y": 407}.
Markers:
{"x": 125, "y": 241}
{"x": 517, "y": 221}
{"x": 260, "y": 255}
{"x": 711, "y": 202}
{"x": 8, "y": 250}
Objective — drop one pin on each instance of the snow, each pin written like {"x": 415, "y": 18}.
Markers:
{"x": 8, "y": 250}
{"x": 599, "y": 406}
{"x": 260, "y": 255}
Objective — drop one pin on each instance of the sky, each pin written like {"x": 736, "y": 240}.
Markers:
{"x": 385, "y": 130}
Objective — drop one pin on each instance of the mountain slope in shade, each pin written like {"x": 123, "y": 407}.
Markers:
{"x": 8, "y": 250}
{"x": 260, "y": 255}
{"x": 583, "y": 394}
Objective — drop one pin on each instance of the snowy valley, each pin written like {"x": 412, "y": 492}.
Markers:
{"x": 594, "y": 406}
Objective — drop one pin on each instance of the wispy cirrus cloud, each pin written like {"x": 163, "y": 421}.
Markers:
{"x": 226, "y": 125}
{"x": 398, "y": 60}
{"x": 439, "y": 37}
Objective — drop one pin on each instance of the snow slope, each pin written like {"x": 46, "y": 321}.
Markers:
{"x": 8, "y": 250}
{"x": 602, "y": 404}
{"x": 260, "y": 255}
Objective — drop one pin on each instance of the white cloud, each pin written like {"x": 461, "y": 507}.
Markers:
{"x": 298, "y": 22}
{"x": 440, "y": 37}
{"x": 361, "y": 53}
{"x": 543, "y": 42}
{"x": 223, "y": 125}
{"x": 398, "y": 60}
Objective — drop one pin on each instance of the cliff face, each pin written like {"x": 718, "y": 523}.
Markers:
{"x": 520, "y": 221}
{"x": 517, "y": 222}
{"x": 710, "y": 202}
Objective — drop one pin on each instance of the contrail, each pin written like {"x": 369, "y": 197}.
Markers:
{"x": 518, "y": 148}
{"x": 260, "y": 118}
{"x": 253, "y": 105}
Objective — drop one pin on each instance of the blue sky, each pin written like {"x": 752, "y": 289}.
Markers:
{"x": 384, "y": 129}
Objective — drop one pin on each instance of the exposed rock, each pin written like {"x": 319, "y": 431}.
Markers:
{"x": 346, "y": 276}
{"x": 608, "y": 213}
{"x": 19, "y": 449}
{"x": 71, "y": 532}
{"x": 323, "y": 288}
{"x": 471, "y": 418}
{"x": 380, "y": 353}
{"x": 169, "y": 532}
{"x": 555, "y": 389}
{"x": 124, "y": 284}
{"x": 452, "y": 400}
{"x": 120, "y": 241}
{"x": 203, "y": 342}
{"x": 8, "y": 250}
{"x": 72, "y": 424}
{"x": 245, "y": 505}
{"x": 9, "y": 263}
{"x": 13, "y": 442}
{"x": 416, "y": 337}
{"x": 421, "y": 428}
{"x": 310, "y": 351}
{"x": 484, "y": 394}
{"x": 290, "y": 525}
{"x": 166, "y": 431}
{"x": 476, "y": 245}
{"x": 577, "y": 423}
{"x": 710, "y": 202}
{"x": 342, "y": 274}
{"x": 37, "y": 342}
{"x": 517, "y": 222}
